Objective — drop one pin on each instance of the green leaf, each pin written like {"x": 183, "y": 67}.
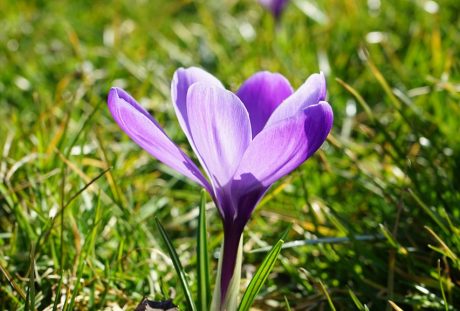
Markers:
{"x": 358, "y": 303}
{"x": 444, "y": 299}
{"x": 88, "y": 246}
{"x": 288, "y": 306}
{"x": 260, "y": 277}
{"x": 13, "y": 284}
{"x": 177, "y": 266}
{"x": 429, "y": 212}
{"x": 444, "y": 249}
{"x": 30, "y": 301}
{"x": 326, "y": 293}
{"x": 390, "y": 238}
{"x": 202, "y": 258}
{"x": 358, "y": 97}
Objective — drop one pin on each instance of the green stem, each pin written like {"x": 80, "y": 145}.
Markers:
{"x": 230, "y": 301}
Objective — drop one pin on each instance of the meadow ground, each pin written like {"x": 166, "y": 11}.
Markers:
{"x": 375, "y": 213}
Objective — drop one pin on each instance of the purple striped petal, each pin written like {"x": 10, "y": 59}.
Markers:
{"x": 221, "y": 131}
{"x": 310, "y": 93}
{"x": 261, "y": 94}
{"x": 182, "y": 80}
{"x": 143, "y": 129}
{"x": 281, "y": 148}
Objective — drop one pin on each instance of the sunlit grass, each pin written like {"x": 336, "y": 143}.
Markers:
{"x": 389, "y": 170}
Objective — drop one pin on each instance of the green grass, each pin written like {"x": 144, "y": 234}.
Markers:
{"x": 390, "y": 169}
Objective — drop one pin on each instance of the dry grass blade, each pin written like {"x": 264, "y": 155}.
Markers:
{"x": 12, "y": 283}
{"x": 394, "y": 306}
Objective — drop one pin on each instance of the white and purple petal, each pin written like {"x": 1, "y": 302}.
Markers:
{"x": 143, "y": 129}
{"x": 182, "y": 80}
{"x": 281, "y": 148}
{"x": 261, "y": 94}
{"x": 221, "y": 131}
{"x": 310, "y": 93}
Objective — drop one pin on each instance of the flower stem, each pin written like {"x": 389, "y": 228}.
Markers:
{"x": 225, "y": 297}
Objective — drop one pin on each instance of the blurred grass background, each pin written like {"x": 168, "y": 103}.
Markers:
{"x": 76, "y": 236}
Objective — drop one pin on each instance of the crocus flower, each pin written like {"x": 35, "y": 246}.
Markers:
{"x": 276, "y": 7}
{"x": 244, "y": 141}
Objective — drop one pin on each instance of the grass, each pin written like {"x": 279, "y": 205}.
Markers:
{"x": 78, "y": 199}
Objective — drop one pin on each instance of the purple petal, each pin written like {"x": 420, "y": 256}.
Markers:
{"x": 310, "y": 93}
{"x": 220, "y": 129}
{"x": 143, "y": 129}
{"x": 273, "y": 153}
{"x": 261, "y": 94}
{"x": 182, "y": 80}
{"x": 281, "y": 148}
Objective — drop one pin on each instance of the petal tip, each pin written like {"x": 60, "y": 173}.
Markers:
{"x": 112, "y": 98}
{"x": 113, "y": 91}
{"x": 115, "y": 94}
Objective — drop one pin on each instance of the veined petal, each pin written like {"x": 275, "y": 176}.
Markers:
{"x": 143, "y": 129}
{"x": 310, "y": 93}
{"x": 220, "y": 129}
{"x": 182, "y": 80}
{"x": 281, "y": 148}
{"x": 261, "y": 94}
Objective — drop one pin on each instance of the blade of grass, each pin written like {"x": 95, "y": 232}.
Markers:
{"x": 428, "y": 211}
{"x": 358, "y": 97}
{"x": 261, "y": 275}
{"x": 380, "y": 127}
{"x": 356, "y": 301}
{"x": 76, "y": 288}
{"x": 326, "y": 293}
{"x": 445, "y": 250}
{"x": 62, "y": 248}
{"x": 446, "y": 304}
{"x": 202, "y": 257}
{"x": 384, "y": 84}
{"x": 13, "y": 284}
{"x": 82, "y": 128}
{"x": 392, "y": 241}
{"x": 58, "y": 294}
{"x": 288, "y": 306}
{"x": 30, "y": 300}
{"x": 44, "y": 236}
{"x": 117, "y": 193}
{"x": 328, "y": 240}
{"x": 88, "y": 247}
{"x": 177, "y": 266}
